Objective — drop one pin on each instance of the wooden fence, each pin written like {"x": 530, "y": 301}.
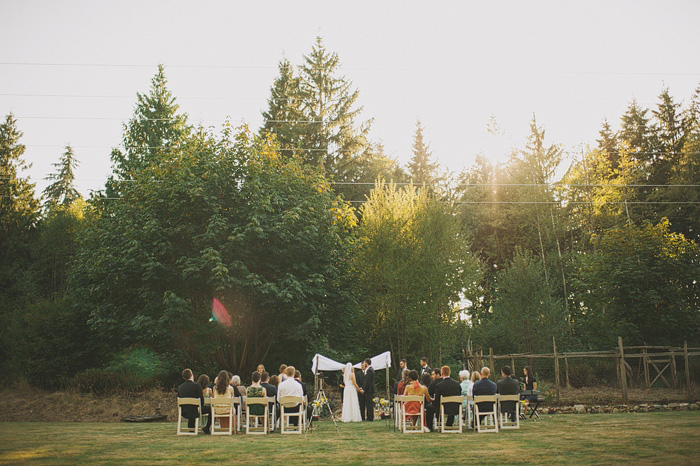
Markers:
{"x": 653, "y": 363}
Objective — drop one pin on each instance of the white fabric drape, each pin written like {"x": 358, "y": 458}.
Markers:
{"x": 322, "y": 363}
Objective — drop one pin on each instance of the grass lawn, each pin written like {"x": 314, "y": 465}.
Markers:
{"x": 669, "y": 437}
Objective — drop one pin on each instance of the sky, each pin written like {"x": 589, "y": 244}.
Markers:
{"x": 70, "y": 70}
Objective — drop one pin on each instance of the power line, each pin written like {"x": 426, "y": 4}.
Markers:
{"x": 268, "y": 67}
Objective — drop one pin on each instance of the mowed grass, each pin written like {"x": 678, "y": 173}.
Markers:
{"x": 672, "y": 437}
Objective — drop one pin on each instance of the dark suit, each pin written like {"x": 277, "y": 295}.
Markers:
{"x": 508, "y": 386}
{"x": 422, "y": 370}
{"x": 484, "y": 387}
{"x": 368, "y": 387}
{"x": 431, "y": 409}
{"x": 360, "y": 379}
{"x": 271, "y": 390}
{"x": 190, "y": 389}
{"x": 310, "y": 406}
{"x": 448, "y": 387}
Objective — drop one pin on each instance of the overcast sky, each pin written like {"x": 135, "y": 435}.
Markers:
{"x": 450, "y": 64}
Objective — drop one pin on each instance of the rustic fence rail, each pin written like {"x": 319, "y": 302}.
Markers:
{"x": 654, "y": 363}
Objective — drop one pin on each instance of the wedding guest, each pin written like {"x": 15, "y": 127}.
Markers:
{"x": 203, "y": 381}
{"x": 256, "y": 391}
{"x": 415, "y": 389}
{"x": 508, "y": 386}
{"x": 275, "y": 381}
{"x": 484, "y": 387}
{"x": 424, "y": 367}
{"x": 223, "y": 389}
{"x": 530, "y": 382}
{"x": 474, "y": 378}
{"x": 426, "y": 379}
{"x": 401, "y": 384}
{"x": 447, "y": 387}
{"x": 464, "y": 383}
{"x": 431, "y": 409}
{"x": 305, "y": 388}
{"x": 270, "y": 389}
{"x": 283, "y": 373}
{"x": 290, "y": 387}
{"x": 238, "y": 389}
{"x": 261, "y": 368}
{"x": 402, "y": 366}
{"x": 191, "y": 389}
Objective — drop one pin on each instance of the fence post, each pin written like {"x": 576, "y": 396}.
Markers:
{"x": 512, "y": 366}
{"x": 646, "y": 369}
{"x": 687, "y": 370}
{"x": 623, "y": 371}
{"x": 556, "y": 368}
{"x": 674, "y": 375}
{"x": 566, "y": 368}
{"x": 493, "y": 369}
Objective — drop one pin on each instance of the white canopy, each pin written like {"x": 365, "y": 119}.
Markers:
{"x": 322, "y": 363}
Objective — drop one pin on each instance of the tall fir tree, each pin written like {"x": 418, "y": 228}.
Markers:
{"x": 608, "y": 144}
{"x": 284, "y": 117}
{"x": 62, "y": 191}
{"x": 634, "y": 131}
{"x": 422, "y": 170}
{"x": 153, "y": 132}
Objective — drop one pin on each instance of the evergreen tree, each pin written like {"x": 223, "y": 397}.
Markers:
{"x": 608, "y": 144}
{"x": 634, "y": 130}
{"x": 153, "y": 132}
{"x": 62, "y": 191}
{"x": 284, "y": 117}
{"x": 420, "y": 168}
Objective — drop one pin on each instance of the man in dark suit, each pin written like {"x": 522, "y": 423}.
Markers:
{"x": 190, "y": 389}
{"x": 508, "y": 386}
{"x": 484, "y": 387}
{"x": 402, "y": 366}
{"x": 431, "y": 409}
{"x": 360, "y": 379}
{"x": 424, "y": 367}
{"x": 368, "y": 389}
{"x": 271, "y": 390}
{"x": 448, "y": 387}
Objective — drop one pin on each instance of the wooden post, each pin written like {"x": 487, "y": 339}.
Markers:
{"x": 674, "y": 375}
{"x": 646, "y": 369}
{"x": 316, "y": 376}
{"x": 566, "y": 368}
{"x": 512, "y": 366}
{"x": 687, "y": 370}
{"x": 556, "y": 368}
{"x": 623, "y": 371}
{"x": 388, "y": 397}
{"x": 493, "y": 369}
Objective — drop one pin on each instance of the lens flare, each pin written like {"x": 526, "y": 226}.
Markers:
{"x": 220, "y": 314}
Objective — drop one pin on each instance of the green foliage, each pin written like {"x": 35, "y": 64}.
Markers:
{"x": 422, "y": 170}
{"x": 62, "y": 191}
{"x": 641, "y": 284}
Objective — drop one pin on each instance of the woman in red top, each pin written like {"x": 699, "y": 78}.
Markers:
{"x": 415, "y": 389}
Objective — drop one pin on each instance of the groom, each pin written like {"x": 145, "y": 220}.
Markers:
{"x": 367, "y": 389}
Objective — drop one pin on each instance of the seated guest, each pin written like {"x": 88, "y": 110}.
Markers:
{"x": 530, "y": 382}
{"x": 484, "y": 387}
{"x": 401, "y": 385}
{"x": 203, "y": 381}
{"x": 275, "y": 381}
{"x": 290, "y": 387}
{"x": 426, "y": 379}
{"x": 464, "y": 383}
{"x": 447, "y": 387}
{"x": 223, "y": 389}
{"x": 474, "y": 378}
{"x": 261, "y": 368}
{"x": 415, "y": 389}
{"x": 508, "y": 386}
{"x": 270, "y": 389}
{"x": 305, "y": 388}
{"x": 431, "y": 409}
{"x": 283, "y": 373}
{"x": 256, "y": 391}
{"x": 191, "y": 389}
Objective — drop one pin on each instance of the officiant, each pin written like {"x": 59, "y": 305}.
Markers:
{"x": 368, "y": 389}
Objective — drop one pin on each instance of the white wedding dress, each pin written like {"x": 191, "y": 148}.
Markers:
{"x": 351, "y": 404}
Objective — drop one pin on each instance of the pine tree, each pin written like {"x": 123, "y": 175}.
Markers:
{"x": 634, "y": 131}
{"x": 608, "y": 144}
{"x": 284, "y": 117}
{"x": 62, "y": 191}
{"x": 155, "y": 129}
{"x": 421, "y": 169}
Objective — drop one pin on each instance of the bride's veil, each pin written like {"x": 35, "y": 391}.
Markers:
{"x": 346, "y": 375}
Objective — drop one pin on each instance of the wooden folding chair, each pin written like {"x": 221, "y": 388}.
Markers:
{"x": 239, "y": 417}
{"x": 443, "y": 419}
{"x": 398, "y": 412}
{"x": 272, "y": 411}
{"x": 290, "y": 402}
{"x": 491, "y": 416}
{"x": 411, "y": 429}
{"x": 188, "y": 402}
{"x": 239, "y": 412}
{"x": 220, "y": 402}
{"x": 503, "y": 417}
{"x": 254, "y": 417}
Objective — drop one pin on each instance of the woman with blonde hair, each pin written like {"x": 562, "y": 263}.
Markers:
{"x": 223, "y": 389}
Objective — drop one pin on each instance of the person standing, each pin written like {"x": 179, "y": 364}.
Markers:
{"x": 368, "y": 389}
{"x": 360, "y": 379}
{"x": 351, "y": 408}
{"x": 424, "y": 367}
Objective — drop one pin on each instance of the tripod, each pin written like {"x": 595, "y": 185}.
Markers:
{"x": 321, "y": 401}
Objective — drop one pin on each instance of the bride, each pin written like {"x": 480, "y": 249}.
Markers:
{"x": 351, "y": 404}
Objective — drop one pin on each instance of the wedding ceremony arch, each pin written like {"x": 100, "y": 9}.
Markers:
{"x": 322, "y": 363}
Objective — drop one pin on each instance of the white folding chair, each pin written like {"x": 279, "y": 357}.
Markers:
{"x": 221, "y": 402}
{"x": 443, "y": 419}
{"x": 239, "y": 416}
{"x": 241, "y": 407}
{"x": 398, "y": 412}
{"x": 411, "y": 429}
{"x": 504, "y": 420}
{"x": 287, "y": 402}
{"x": 188, "y": 402}
{"x": 470, "y": 411}
{"x": 272, "y": 411}
{"x": 250, "y": 429}
{"x": 490, "y": 417}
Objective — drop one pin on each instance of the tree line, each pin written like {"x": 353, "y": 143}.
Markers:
{"x": 313, "y": 240}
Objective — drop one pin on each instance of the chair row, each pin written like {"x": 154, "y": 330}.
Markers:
{"x": 492, "y": 419}
{"x": 254, "y": 424}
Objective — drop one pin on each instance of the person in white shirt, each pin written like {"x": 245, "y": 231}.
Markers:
{"x": 290, "y": 387}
